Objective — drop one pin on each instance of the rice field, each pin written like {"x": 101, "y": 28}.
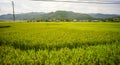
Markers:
{"x": 60, "y": 43}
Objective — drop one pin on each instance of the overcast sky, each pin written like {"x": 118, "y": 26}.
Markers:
{"x": 24, "y": 6}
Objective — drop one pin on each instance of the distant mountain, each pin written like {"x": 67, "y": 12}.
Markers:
{"x": 66, "y": 16}
{"x": 21, "y": 16}
{"x": 6, "y": 17}
{"x": 56, "y": 16}
{"x": 53, "y": 16}
{"x": 103, "y": 16}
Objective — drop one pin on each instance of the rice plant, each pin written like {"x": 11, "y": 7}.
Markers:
{"x": 60, "y": 43}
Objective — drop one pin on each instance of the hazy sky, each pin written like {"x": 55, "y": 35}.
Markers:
{"x": 23, "y": 6}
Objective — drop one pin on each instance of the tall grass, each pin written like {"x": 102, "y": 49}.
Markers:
{"x": 60, "y": 43}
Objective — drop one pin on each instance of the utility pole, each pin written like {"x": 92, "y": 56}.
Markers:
{"x": 13, "y": 11}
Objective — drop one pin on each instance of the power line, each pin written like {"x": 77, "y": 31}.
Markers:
{"x": 92, "y": 2}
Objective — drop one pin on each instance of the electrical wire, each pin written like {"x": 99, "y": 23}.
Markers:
{"x": 92, "y": 2}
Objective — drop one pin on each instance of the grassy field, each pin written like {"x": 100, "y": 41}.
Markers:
{"x": 60, "y": 43}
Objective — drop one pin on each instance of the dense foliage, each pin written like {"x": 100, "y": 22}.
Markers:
{"x": 63, "y": 43}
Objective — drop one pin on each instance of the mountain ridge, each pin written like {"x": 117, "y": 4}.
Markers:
{"x": 58, "y": 15}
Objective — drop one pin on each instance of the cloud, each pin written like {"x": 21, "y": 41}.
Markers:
{"x": 5, "y": 7}
{"x": 24, "y": 6}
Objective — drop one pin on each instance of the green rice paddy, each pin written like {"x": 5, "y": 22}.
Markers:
{"x": 60, "y": 43}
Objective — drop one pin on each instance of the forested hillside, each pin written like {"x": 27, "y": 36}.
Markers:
{"x": 59, "y": 16}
